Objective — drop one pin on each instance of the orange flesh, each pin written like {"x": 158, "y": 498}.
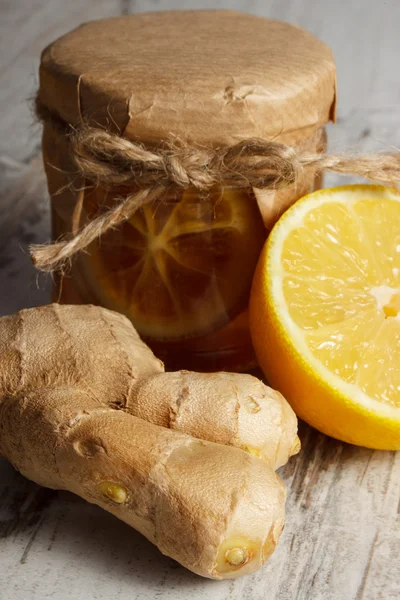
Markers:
{"x": 181, "y": 269}
{"x": 341, "y": 284}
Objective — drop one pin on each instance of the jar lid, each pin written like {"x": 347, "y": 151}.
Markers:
{"x": 209, "y": 77}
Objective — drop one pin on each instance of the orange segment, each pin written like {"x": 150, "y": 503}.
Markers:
{"x": 181, "y": 268}
{"x": 325, "y": 312}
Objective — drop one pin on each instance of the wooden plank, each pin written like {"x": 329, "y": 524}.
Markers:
{"x": 24, "y": 220}
{"x": 25, "y": 29}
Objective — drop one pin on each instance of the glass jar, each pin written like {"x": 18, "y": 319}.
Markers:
{"x": 181, "y": 270}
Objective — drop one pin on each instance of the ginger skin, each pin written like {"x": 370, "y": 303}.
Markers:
{"x": 69, "y": 378}
{"x": 232, "y": 409}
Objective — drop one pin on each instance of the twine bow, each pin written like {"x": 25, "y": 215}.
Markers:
{"x": 109, "y": 160}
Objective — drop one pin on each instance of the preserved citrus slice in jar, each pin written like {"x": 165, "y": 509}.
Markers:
{"x": 179, "y": 268}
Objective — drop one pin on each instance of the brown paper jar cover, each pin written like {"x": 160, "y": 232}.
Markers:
{"x": 208, "y": 77}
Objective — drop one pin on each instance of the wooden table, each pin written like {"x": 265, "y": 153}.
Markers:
{"x": 342, "y": 537}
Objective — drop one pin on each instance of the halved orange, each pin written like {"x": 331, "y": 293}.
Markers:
{"x": 182, "y": 267}
{"x": 325, "y": 312}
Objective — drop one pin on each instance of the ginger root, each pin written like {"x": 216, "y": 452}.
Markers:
{"x": 232, "y": 409}
{"x": 85, "y": 406}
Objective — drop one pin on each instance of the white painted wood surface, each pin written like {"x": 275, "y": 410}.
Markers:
{"x": 342, "y": 536}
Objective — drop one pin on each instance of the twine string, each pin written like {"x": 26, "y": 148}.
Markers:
{"x": 110, "y": 160}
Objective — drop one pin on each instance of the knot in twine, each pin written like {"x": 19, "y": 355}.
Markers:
{"x": 109, "y": 160}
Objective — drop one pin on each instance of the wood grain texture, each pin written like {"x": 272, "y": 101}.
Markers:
{"x": 342, "y": 535}
{"x": 25, "y": 29}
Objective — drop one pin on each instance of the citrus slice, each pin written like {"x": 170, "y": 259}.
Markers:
{"x": 325, "y": 312}
{"x": 180, "y": 268}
